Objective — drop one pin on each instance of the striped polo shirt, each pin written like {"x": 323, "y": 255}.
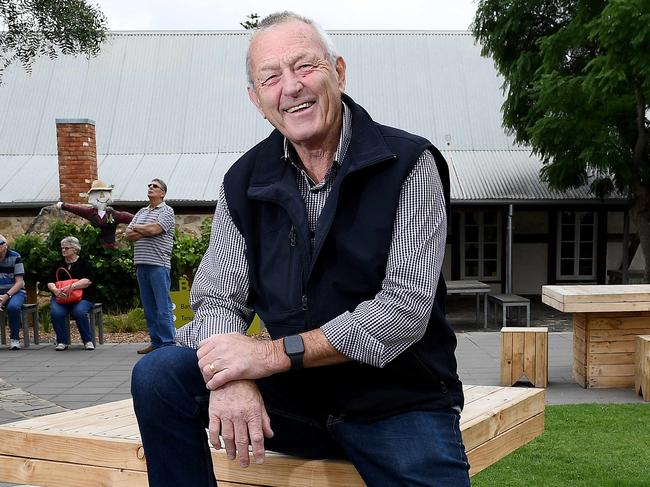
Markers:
{"x": 156, "y": 250}
{"x": 10, "y": 267}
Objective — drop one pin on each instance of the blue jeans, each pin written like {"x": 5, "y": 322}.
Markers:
{"x": 13, "y": 307}
{"x": 155, "y": 282}
{"x": 170, "y": 400}
{"x": 79, "y": 312}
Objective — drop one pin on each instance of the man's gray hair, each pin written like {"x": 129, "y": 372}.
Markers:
{"x": 278, "y": 18}
{"x": 161, "y": 183}
{"x": 71, "y": 242}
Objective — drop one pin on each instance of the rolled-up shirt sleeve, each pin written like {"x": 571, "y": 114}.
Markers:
{"x": 219, "y": 292}
{"x": 378, "y": 330}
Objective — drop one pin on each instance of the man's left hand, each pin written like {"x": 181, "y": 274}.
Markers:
{"x": 227, "y": 357}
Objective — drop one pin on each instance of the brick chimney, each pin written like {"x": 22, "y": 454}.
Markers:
{"x": 75, "y": 139}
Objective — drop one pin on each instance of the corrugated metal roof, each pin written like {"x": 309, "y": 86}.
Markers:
{"x": 174, "y": 105}
{"x": 502, "y": 176}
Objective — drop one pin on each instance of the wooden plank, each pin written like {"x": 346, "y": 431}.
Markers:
{"x": 618, "y": 370}
{"x": 54, "y": 474}
{"x": 502, "y": 417}
{"x": 611, "y": 358}
{"x": 541, "y": 360}
{"x": 623, "y": 382}
{"x": 517, "y": 356}
{"x": 81, "y": 450}
{"x": 488, "y": 453}
{"x": 611, "y": 347}
{"x": 506, "y": 359}
{"x": 642, "y": 367}
{"x": 605, "y": 322}
{"x": 529, "y": 356}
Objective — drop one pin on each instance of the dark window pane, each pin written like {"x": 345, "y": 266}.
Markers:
{"x": 471, "y": 234}
{"x": 566, "y": 250}
{"x": 471, "y": 269}
{"x": 470, "y": 218}
{"x": 490, "y": 217}
{"x": 568, "y": 233}
{"x": 586, "y": 233}
{"x": 490, "y": 268}
{"x": 566, "y": 267}
{"x": 490, "y": 234}
{"x": 586, "y": 250}
{"x": 587, "y": 218}
{"x": 567, "y": 218}
{"x": 471, "y": 251}
{"x": 490, "y": 251}
{"x": 585, "y": 267}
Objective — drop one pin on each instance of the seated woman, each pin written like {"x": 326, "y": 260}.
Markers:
{"x": 79, "y": 268}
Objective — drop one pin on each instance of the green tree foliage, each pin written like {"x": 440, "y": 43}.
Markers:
{"x": 31, "y": 28}
{"x": 251, "y": 23}
{"x": 577, "y": 85}
{"x": 188, "y": 252}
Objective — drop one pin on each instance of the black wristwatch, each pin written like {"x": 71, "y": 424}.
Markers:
{"x": 295, "y": 350}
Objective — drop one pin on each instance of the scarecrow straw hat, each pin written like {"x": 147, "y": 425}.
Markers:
{"x": 99, "y": 185}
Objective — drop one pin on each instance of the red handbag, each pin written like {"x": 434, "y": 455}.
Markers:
{"x": 76, "y": 294}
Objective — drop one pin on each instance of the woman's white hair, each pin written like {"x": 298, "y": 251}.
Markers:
{"x": 71, "y": 242}
{"x": 277, "y": 18}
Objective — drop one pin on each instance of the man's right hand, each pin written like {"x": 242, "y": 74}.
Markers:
{"x": 238, "y": 415}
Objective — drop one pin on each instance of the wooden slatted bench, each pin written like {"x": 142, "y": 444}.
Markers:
{"x": 100, "y": 446}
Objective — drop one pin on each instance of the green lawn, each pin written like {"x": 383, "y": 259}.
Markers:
{"x": 583, "y": 445}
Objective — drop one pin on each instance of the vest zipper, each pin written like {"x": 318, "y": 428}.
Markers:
{"x": 292, "y": 236}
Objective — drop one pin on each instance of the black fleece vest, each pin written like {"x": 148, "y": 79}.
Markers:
{"x": 294, "y": 289}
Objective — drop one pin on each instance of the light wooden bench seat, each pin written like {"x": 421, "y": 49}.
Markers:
{"x": 100, "y": 445}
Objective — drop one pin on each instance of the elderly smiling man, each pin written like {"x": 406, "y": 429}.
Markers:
{"x": 332, "y": 230}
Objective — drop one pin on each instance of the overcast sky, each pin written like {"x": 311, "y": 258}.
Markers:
{"x": 331, "y": 14}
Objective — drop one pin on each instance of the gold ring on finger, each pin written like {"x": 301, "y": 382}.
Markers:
{"x": 212, "y": 368}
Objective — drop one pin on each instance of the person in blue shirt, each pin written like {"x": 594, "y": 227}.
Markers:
{"x": 12, "y": 292}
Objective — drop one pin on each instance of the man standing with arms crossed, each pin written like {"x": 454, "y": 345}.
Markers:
{"x": 333, "y": 230}
{"x": 152, "y": 231}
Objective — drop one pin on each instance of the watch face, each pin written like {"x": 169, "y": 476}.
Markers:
{"x": 293, "y": 345}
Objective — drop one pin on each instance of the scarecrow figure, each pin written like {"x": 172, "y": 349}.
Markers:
{"x": 100, "y": 214}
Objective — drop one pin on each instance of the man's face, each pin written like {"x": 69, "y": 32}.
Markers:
{"x": 295, "y": 86}
{"x": 3, "y": 247}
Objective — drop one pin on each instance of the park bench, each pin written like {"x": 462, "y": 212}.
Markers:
{"x": 28, "y": 312}
{"x": 100, "y": 445}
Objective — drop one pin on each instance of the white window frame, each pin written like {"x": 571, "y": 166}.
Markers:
{"x": 576, "y": 249}
{"x": 480, "y": 216}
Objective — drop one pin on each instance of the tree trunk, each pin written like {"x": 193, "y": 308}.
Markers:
{"x": 640, "y": 213}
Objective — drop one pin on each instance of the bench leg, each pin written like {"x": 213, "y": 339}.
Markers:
{"x": 25, "y": 324}
{"x": 3, "y": 332}
{"x": 504, "y": 313}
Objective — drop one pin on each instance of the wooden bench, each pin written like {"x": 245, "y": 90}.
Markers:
{"x": 508, "y": 301}
{"x": 642, "y": 367}
{"x": 524, "y": 352}
{"x": 606, "y": 321}
{"x": 100, "y": 444}
{"x": 96, "y": 317}
{"x": 29, "y": 312}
